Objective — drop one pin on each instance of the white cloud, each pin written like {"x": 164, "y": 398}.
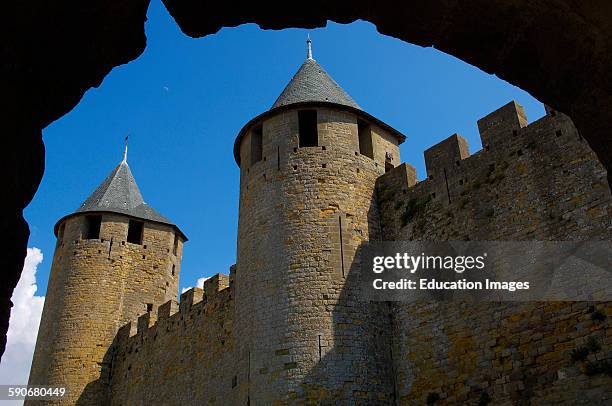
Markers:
{"x": 23, "y": 324}
{"x": 199, "y": 284}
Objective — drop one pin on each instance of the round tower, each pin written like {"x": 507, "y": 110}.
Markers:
{"x": 308, "y": 168}
{"x": 115, "y": 259}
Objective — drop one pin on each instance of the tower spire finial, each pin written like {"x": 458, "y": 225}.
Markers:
{"x": 126, "y": 149}
{"x": 309, "y": 44}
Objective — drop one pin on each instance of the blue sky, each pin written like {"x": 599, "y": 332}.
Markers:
{"x": 184, "y": 100}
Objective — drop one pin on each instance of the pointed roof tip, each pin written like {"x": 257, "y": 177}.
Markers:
{"x": 125, "y": 151}
{"x": 309, "y": 46}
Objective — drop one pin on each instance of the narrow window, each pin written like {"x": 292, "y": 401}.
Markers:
{"x": 365, "y": 139}
{"x": 60, "y": 232}
{"x": 309, "y": 136}
{"x": 256, "y": 141}
{"x": 175, "y": 248}
{"x": 93, "y": 227}
{"x": 173, "y": 269}
{"x": 135, "y": 232}
{"x": 149, "y": 307}
{"x": 388, "y": 166}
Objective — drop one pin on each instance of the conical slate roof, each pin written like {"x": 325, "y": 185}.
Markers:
{"x": 312, "y": 84}
{"x": 119, "y": 193}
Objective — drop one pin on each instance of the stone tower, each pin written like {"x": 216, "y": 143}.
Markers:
{"x": 307, "y": 172}
{"x": 115, "y": 258}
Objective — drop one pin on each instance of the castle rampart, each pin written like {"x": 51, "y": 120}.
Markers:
{"x": 180, "y": 353}
{"x": 535, "y": 182}
{"x": 542, "y": 182}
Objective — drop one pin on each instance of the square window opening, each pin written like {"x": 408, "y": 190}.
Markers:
{"x": 365, "y": 139}
{"x": 135, "y": 229}
{"x": 308, "y": 133}
{"x": 93, "y": 227}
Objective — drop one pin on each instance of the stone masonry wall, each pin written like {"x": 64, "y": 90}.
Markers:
{"x": 530, "y": 182}
{"x": 95, "y": 287}
{"x": 179, "y": 354}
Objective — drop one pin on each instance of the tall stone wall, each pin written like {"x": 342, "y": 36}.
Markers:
{"x": 95, "y": 287}
{"x": 304, "y": 213}
{"x": 530, "y": 182}
{"x": 179, "y": 354}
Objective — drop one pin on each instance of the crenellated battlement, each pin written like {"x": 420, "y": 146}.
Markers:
{"x": 442, "y": 158}
{"x": 497, "y": 127}
{"x": 451, "y": 159}
{"x": 518, "y": 161}
{"x": 177, "y": 339}
{"x": 195, "y": 302}
{"x": 506, "y": 126}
